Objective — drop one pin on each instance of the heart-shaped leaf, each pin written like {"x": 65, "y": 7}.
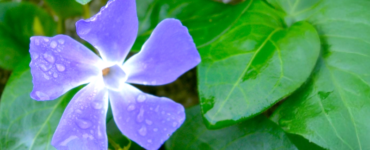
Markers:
{"x": 250, "y": 60}
{"x": 257, "y": 133}
{"x": 333, "y": 108}
{"x": 24, "y": 122}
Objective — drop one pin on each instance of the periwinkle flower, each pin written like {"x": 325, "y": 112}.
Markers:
{"x": 60, "y": 63}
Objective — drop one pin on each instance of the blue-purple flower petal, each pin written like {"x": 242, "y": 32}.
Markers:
{"x": 59, "y": 64}
{"x": 148, "y": 120}
{"x": 82, "y": 125}
{"x": 112, "y": 31}
{"x": 168, "y": 53}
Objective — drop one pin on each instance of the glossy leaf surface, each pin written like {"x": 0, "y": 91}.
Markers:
{"x": 250, "y": 60}
{"x": 258, "y": 133}
{"x": 333, "y": 108}
{"x": 24, "y": 122}
{"x": 18, "y": 22}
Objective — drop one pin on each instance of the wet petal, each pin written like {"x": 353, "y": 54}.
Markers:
{"x": 82, "y": 125}
{"x": 113, "y": 30}
{"x": 168, "y": 53}
{"x": 60, "y": 64}
{"x": 145, "y": 119}
{"x": 115, "y": 78}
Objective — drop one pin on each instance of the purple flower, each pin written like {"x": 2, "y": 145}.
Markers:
{"x": 60, "y": 63}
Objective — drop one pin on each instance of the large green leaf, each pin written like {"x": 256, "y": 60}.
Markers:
{"x": 258, "y": 133}
{"x": 250, "y": 60}
{"x": 66, "y": 8}
{"x": 18, "y": 22}
{"x": 24, "y": 122}
{"x": 333, "y": 108}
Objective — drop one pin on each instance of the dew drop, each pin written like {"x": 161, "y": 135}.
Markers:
{"x": 155, "y": 129}
{"x": 83, "y": 124}
{"x": 157, "y": 108}
{"x": 49, "y": 57}
{"x": 34, "y": 56}
{"x": 131, "y": 107}
{"x": 149, "y": 141}
{"x": 145, "y": 83}
{"x": 140, "y": 116}
{"x": 46, "y": 76}
{"x": 96, "y": 105}
{"x": 46, "y": 40}
{"x": 165, "y": 129}
{"x": 148, "y": 122}
{"x": 142, "y": 131}
{"x": 53, "y": 44}
{"x": 37, "y": 42}
{"x": 42, "y": 95}
{"x": 154, "y": 82}
{"x": 61, "y": 41}
{"x": 55, "y": 75}
{"x": 174, "y": 124}
{"x": 43, "y": 67}
{"x": 141, "y": 98}
{"x": 60, "y": 67}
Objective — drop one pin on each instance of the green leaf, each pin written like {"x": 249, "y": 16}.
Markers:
{"x": 24, "y": 122}
{"x": 303, "y": 144}
{"x": 116, "y": 140}
{"x": 249, "y": 60}
{"x": 66, "y": 8}
{"x": 83, "y": 2}
{"x": 18, "y": 22}
{"x": 257, "y": 133}
{"x": 333, "y": 108}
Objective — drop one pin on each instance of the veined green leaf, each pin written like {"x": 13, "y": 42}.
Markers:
{"x": 332, "y": 109}
{"x": 250, "y": 60}
{"x": 258, "y": 133}
{"x": 26, "y": 123}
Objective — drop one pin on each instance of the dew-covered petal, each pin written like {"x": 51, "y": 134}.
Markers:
{"x": 113, "y": 30}
{"x": 168, "y": 53}
{"x": 59, "y": 64}
{"x": 82, "y": 125}
{"x": 148, "y": 120}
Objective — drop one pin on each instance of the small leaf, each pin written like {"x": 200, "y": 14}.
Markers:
{"x": 257, "y": 133}
{"x": 18, "y": 22}
{"x": 333, "y": 108}
{"x": 24, "y": 122}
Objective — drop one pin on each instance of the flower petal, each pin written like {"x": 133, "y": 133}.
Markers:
{"x": 82, "y": 125}
{"x": 145, "y": 119}
{"x": 60, "y": 64}
{"x": 168, "y": 53}
{"x": 113, "y": 30}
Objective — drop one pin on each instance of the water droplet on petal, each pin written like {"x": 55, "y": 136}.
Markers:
{"x": 55, "y": 75}
{"x": 131, "y": 107}
{"x": 148, "y": 122}
{"x": 53, "y": 44}
{"x": 46, "y": 40}
{"x": 97, "y": 105}
{"x": 154, "y": 82}
{"x": 61, "y": 41}
{"x": 83, "y": 124}
{"x": 174, "y": 124}
{"x": 46, "y": 76}
{"x": 37, "y": 42}
{"x": 142, "y": 131}
{"x": 141, "y": 98}
{"x": 49, "y": 57}
{"x": 60, "y": 67}
{"x": 155, "y": 129}
{"x": 149, "y": 141}
{"x": 140, "y": 116}
{"x": 34, "y": 56}
{"x": 43, "y": 67}
{"x": 157, "y": 108}
{"x": 42, "y": 95}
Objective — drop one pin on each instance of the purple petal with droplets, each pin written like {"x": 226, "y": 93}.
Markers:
{"x": 115, "y": 78}
{"x": 60, "y": 64}
{"x": 168, "y": 53}
{"x": 113, "y": 30}
{"x": 145, "y": 119}
{"x": 82, "y": 125}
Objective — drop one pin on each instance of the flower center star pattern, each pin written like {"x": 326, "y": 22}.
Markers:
{"x": 60, "y": 63}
